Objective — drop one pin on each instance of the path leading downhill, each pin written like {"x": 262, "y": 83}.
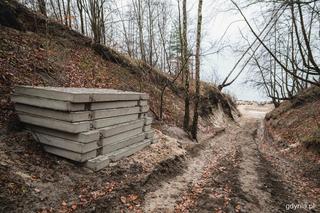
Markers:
{"x": 228, "y": 174}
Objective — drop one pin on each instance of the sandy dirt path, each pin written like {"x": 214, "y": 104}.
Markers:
{"x": 228, "y": 174}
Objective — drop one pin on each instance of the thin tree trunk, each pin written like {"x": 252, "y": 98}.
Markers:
{"x": 42, "y": 7}
{"x": 186, "y": 67}
{"x": 80, "y": 9}
{"x": 194, "y": 129}
{"x": 60, "y": 11}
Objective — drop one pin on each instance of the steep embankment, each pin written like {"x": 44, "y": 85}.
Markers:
{"x": 36, "y": 51}
{"x": 295, "y": 124}
{"x": 292, "y": 144}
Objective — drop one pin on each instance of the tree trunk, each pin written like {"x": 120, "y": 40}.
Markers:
{"x": 80, "y": 9}
{"x": 186, "y": 67}
{"x": 42, "y": 7}
{"x": 194, "y": 129}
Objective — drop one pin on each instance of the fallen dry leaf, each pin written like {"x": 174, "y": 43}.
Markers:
{"x": 123, "y": 199}
{"x": 74, "y": 206}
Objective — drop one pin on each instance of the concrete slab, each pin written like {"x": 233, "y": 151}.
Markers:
{"x": 56, "y": 93}
{"x": 98, "y": 163}
{"x": 98, "y": 114}
{"x": 70, "y": 155}
{"x": 154, "y": 141}
{"x": 83, "y": 137}
{"x": 100, "y": 123}
{"x": 58, "y": 115}
{"x": 122, "y": 144}
{"x": 65, "y": 144}
{"x": 130, "y": 150}
{"x": 55, "y": 124}
{"x": 144, "y": 109}
{"x": 143, "y": 103}
{"x": 147, "y": 128}
{"x": 113, "y": 105}
{"x": 117, "y": 96}
{"x": 147, "y": 121}
{"x": 143, "y": 115}
{"x": 149, "y": 134}
{"x": 78, "y": 95}
{"x": 47, "y": 103}
{"x": 116, "y": 129}
{"x": 122, "y": 136}
{"x": 144, "y": 96}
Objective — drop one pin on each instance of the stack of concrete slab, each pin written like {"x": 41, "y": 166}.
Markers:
{"x": 86, "y": 125}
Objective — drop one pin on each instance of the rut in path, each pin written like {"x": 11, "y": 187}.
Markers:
{"x": 165, "y": 197}
{"x": 248, "y": 191}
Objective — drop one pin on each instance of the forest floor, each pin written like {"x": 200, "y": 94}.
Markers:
{"x": 238, "y": 170}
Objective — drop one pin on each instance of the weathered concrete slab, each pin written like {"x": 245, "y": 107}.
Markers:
{"x": 143, "y": 103}
{"x": 130, "y": 150}
{"x": 147, "y": 128}
{"x": 117, "y": 96}
{"x": 117, "y": 129}
{"x": 58, "y": 115}
{"x": 66, "y": 144}
{"x": 122, "y": 144}
{"x": 56, "y": 93}
{"x": 149, "y": 134}
{"x": 83, "y": 137}
{"x": 70, "y": 155}
{"x": 147, "y": 120}
{"x": 121, "y": 136}
{"x": 144, "y": 96}
{"x": 98, "y": 163}
{"x": 98, "y": 114}
{"x": 100, "y": 123}
{"x": 113, "y": 105}
{"x": 154, "y": 141}
{"x": 144, "y": 109}
{"x": 143, "y": 115}
{"x": 78, "y": 95}
{"x": 47, "y": 103}
{"x": 55, "y": 124}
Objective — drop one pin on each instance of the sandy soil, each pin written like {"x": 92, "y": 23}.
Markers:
{"x": 235, "y": 171}
{"x": 231, "y": 173}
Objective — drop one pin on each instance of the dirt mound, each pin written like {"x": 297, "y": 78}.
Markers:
{"x": 292, "y": 132}
{"x": 297, "y": 122}
{"x": 291, "y": 142}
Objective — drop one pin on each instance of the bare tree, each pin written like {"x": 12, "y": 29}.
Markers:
{"x": 81, "y": 11}
{"x": 95, "y": 12}
{"x": 42, "y": 7}
{"x": 139, "y": 13}
{"x": 287, "y": 59}
{"x": 194, "y": 129}
{"x": 185, "y": 60}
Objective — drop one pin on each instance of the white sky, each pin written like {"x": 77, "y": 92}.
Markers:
{"x": 217, "y": 16}
{"x": 217, "y": 19}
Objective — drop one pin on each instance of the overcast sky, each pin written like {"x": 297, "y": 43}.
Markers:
{"x": 218, "y": 17}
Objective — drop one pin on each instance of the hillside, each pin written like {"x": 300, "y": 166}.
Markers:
{"x": 295, "y": 124}
{"x": 36, "y": 51}
{"x": 292, "y": 143}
